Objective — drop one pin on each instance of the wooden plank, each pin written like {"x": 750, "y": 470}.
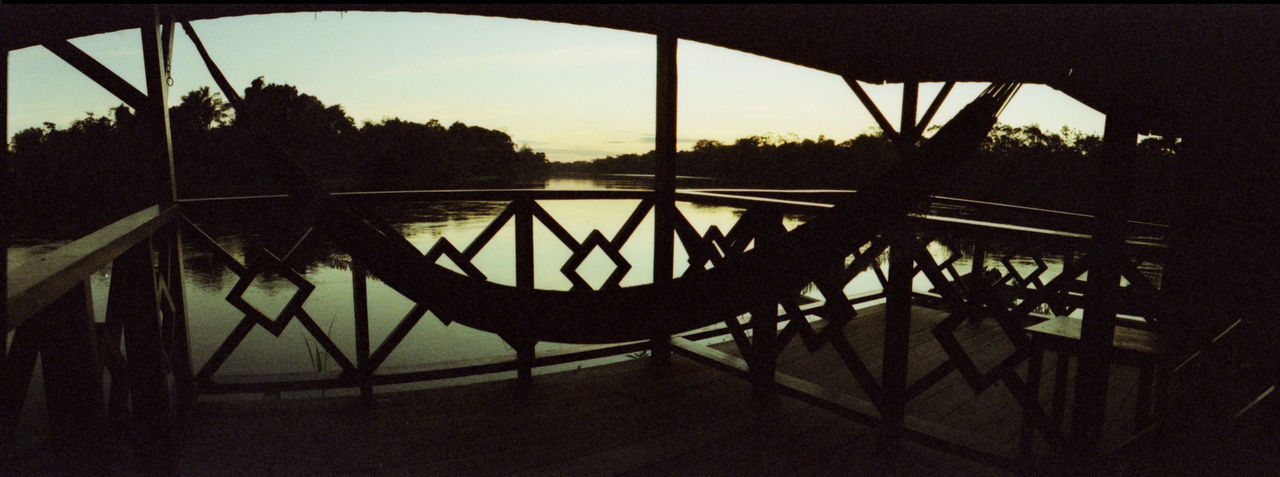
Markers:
{"x": 1129, "y": 345}
{"x": 42, "y": 280}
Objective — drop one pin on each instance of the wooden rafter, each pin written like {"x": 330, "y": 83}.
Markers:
{"x": 871, "y": 107}
{"x": 218, "y": 77}
{"x": 100, "y": 74}
{"x": 933, "y": 107}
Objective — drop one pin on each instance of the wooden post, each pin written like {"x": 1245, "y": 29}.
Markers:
{"x": 73, "y": 376}
{"x": 979, "y": 257}
{"x": 149, "y": 385}
{"x": 763, "y": 363}
{"x": 664, "y": 184}
{"x": 360, "y": 300}
{"x": 1035, "y": 364}
{"x": 1103, "y": 288}
{"x": 16, "y": 377}
{"x": 975, "y": 273}
{"x": 135, "y": 301}
{"x": 156, "y": 113}
{"x": 897, "y": 323}
{"x": 524, "y": 279}
{"x": 4, "y": 199}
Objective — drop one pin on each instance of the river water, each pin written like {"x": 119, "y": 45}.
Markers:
{"x": 241, "y": 228}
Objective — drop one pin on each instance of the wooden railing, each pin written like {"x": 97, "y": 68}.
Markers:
{"x": 49, "y": 309}
{"x": 50, "y": 314}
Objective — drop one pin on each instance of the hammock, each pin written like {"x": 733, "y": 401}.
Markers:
{"x": 759, "y": 277}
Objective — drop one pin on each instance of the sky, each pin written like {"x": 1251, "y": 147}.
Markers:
{"x": 573, "y": 92}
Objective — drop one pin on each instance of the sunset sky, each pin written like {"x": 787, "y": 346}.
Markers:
{"x": 570, "y": 91}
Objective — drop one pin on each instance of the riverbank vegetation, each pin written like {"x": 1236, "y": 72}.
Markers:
{"x": 97, "y": 166}
{"x": 1016, "y": 165}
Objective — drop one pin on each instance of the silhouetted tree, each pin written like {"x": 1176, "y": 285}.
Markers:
{"x": 92, "y": 166}
{"x": 1019, "y": 165}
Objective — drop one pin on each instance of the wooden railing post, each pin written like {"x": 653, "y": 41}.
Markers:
{"x": 763, "y": 361}
{"x": 976, "y": 272}
{"x": 664, "y": 184}
{"x": 360, "y": 301}
{"x": 524, "y": 279}
{"x": 133, "y": 297}
{"x": 72, "y": 372}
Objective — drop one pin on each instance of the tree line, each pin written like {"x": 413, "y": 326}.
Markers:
{"x": 1016, "y": 165}
{"x": 96, "y": 165}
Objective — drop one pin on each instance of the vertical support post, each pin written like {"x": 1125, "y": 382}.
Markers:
{"x": 155, "y": 46}
{"x": 897, "y": 324}
{"x": 763, "y": 361}
{"x": 4, "y": 200}
{"x": 1035, "y": 367}
{"x": 976, "y": 271}
{"x": 979, "y": 257}
{"x": 763, "y": 365}
{"x": 360, "y": 300}
{"x": 16, "y": 376}
{"x": 73, "y": 376}
{"x": 1103, "y": 287}
{"x": 664, "y": 183}
{"x": 524, "y": 279}
{"x": 144, "y": 348}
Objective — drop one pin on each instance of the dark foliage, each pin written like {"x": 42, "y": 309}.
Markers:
{"x": 93, "y": 168}
{"x": 1016, "y": 165}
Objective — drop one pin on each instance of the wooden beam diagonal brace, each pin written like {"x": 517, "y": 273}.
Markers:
{"x": 214, "y": 71}
{"x": 871, "y": 108}
{"x": 100, "y": 74}
{"x": 933, "y": 107}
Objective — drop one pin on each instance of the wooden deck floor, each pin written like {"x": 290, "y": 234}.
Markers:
{"x": 622, "y": 419}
